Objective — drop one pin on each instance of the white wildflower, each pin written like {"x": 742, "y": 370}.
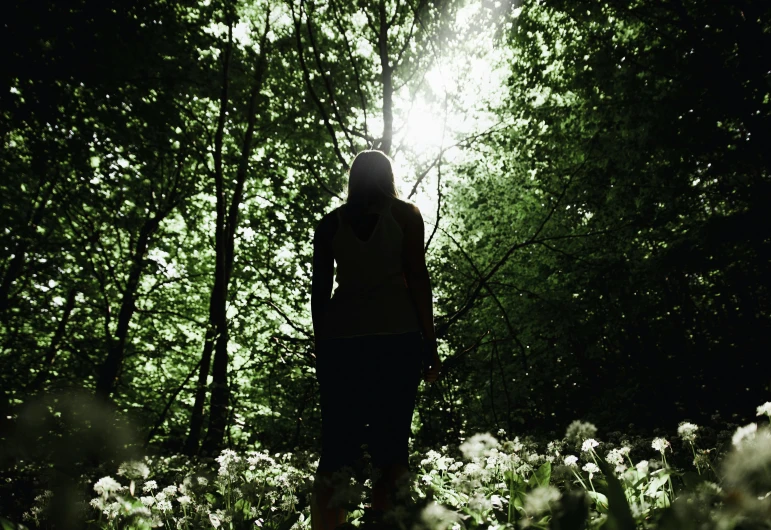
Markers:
{"x": 149, "y": 486}
{"x": 202, "y": 481}
{"x": 765, "y": 408}
{"x": 214, "y": 520}
{"x": 614, "y": 457}
{"x": 571, "y": 461}
{"x": 228, "y": 461}
{"x": 642, "y": 466}
{"x": 184, "y": 499}
{"x": 147, "y": 501}
{"x": 541, "y": 499}
{"x": 134, "y": 469}
{"x": 660, "y": 445}
{"x": 554, "y": 447}
{"x": 744, "y": 433}
{"x": 478, "y": 446}
{"x": 254, "y": 459}
{"x": 589, "y": 444}
{"x": 431, "y": 457}
{"x": 164, "y": 506}
{"x": 501, "y": 432}
{"x": 473, "y": 470}
{"x": 687, "y": 431}
{"x": 107, "y": 485}
{"x": 591, "y": 468}
{"x": 170, "y": 490}
{"x": 112, "y": 510}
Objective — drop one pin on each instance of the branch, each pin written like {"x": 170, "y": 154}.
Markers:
{"x": 489, "y": 289}
{"x": 438, "y": 205}
{"x": 312, "y": 92}
{"x": 169, "y": 403}
{"x": 327, "y": 84}
{"x": 355, "y": 69}
{"x": 316, "y": 176}
{"x": 462, "y": 142}
{"x": 530, "y": 241}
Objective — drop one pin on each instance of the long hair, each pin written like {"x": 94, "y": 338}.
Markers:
{"x": 371, "y": 177}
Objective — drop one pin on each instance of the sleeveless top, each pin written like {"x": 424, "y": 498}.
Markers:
{"x": 372, "y": 297}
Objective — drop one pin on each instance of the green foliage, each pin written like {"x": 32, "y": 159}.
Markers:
{"x": 599, "y": 234}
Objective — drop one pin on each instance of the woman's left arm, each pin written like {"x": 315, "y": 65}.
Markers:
{"x": 323, "y": 269}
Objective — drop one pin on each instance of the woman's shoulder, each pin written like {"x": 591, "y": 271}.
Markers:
{"x": 328, "y": 225}
{"x": 404, "y": 208}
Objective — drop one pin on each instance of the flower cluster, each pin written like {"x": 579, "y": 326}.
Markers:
{"x": 483, "y": 482}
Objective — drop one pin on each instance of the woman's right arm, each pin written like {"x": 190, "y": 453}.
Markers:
{"x": 419, "y": 283}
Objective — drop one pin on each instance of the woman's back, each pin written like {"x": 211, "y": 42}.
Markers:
{"x": 371, "y": 296}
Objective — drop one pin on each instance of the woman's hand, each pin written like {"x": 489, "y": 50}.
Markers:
{"x": 434, "y": 369}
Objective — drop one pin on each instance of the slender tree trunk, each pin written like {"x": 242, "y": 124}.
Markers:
{"x": 387, "y": 73}
{"x": 220, "y": 395}
{"x": 112, "y": 365}
{"x": 196, "y": 417}
{"x": 53, "y": 348}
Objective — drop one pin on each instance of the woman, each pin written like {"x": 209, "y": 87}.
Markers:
{"x": 371, "y": 334}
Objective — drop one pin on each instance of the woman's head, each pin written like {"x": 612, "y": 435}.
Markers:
{"x": 371, "y": 176}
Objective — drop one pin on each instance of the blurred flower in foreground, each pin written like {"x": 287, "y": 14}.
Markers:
{"x": 437, "y": 516}
{"x": 578, "y": 431}
{"x": 746, "y": 466}
{"x": 541, "y": 499}
{"x": 744, "y": 433}
{"x": 765, "y": 408}
{"x": 478, "y": 446}
{"x": 107, "y": 485}
{"x": 134, "y": 469}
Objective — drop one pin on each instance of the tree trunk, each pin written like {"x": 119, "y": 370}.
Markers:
{"x": 220, "y": 394}
{"x": 53, "y": 348}
{"x": 387, "y": 73}
{"x": 112, "y": 365}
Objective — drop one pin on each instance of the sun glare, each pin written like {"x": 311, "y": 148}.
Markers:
{"x": 424, "y": 128}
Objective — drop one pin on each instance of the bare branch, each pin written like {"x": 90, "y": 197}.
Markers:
{"x": 327, "y": 82}
{"x": 311, "y": 90}
{"x": 354, "y": 67}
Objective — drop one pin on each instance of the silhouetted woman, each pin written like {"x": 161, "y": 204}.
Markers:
{"x": 371, "y": 334}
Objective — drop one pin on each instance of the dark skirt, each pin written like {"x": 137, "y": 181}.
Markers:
{"x": 368, "y": 389}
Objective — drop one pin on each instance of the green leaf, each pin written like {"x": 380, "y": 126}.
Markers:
{"x": 618, "y": 507}
{"x": 599, "y": 499}
{"x": 541, "y": 476}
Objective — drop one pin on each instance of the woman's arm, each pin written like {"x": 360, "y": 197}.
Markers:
{"x": 323, "y": 269}
{"x": 419, "y": 283}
